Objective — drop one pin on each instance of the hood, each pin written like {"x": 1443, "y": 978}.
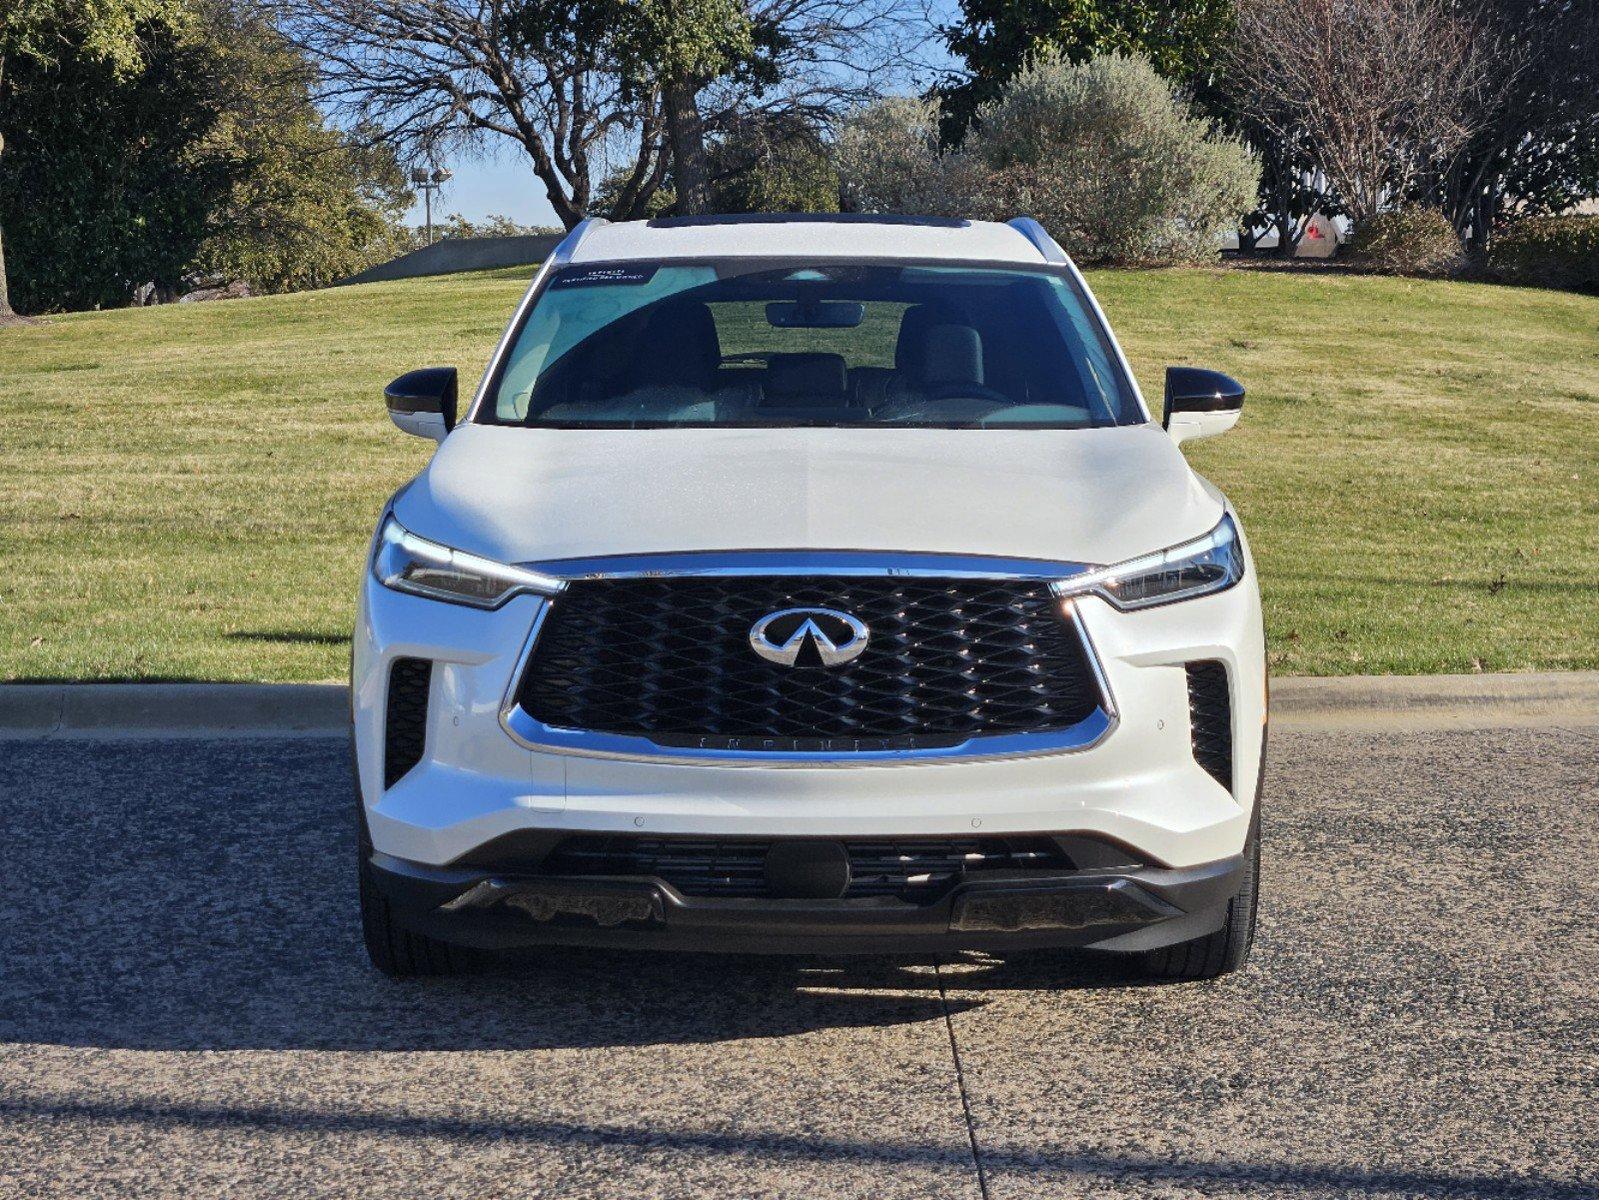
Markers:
{"x": 1092, "y": 495}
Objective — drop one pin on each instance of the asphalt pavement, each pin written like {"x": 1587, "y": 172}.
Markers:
{"x": 185, "y": 1010}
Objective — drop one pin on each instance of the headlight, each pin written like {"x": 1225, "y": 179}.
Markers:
{"x": 1209, "y": 564}
{"x": 408, "y": 563}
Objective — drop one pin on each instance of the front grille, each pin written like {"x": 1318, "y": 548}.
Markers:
{"x": 1210, "y": 718}
{"x": 405, "y": 725}
{"x": 917, "y": 869}
{"x": 947, "y": 660}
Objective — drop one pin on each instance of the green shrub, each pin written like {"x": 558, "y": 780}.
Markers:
{"x": 771, "y": 164}
{"x": 889, "y": 160}
{"x": 1105, "y": 154}
{"x": 1553, "y": 252}
{"x": 1113, "y": 162}
{"x": 1408, "y": 241}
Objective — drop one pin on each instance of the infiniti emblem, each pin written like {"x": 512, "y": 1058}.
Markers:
{"x": 809, "y": 637}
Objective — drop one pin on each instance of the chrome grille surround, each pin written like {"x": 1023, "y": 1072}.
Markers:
{"x": 533, "y": 734}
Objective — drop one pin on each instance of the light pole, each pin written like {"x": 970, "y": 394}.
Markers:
{"x": 429, "y": 182}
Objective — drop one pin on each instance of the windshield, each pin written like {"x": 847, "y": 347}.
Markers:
{"x": 734, "y": 344}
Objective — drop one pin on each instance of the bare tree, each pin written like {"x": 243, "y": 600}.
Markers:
{"x": 1382, "y": 93}
{"x": 564, "y": 85}
{"x": 818, "y": 59}
{"x": 441, "y": 75}
{"x": 1535, "y": 147}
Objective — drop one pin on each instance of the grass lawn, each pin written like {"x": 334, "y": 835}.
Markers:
{"x": 186, "y": 492}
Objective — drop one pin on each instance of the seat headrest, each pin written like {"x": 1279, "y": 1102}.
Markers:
{"x": 913, "y": 326}
{"x": 677, "y": 347}
{"x": 952, "y": 354}
{"x": 813, "y": 378}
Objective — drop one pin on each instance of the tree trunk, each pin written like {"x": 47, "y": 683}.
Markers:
{"x": 686, "y": 136}
{"x": 1283, "y": 202}
{"x": 1482, "y": 225}
{"x": 6, "y": 311}
{"x": 1283, "y": 218}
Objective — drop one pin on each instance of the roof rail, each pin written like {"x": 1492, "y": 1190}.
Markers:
{"x": 568, "y": 245}
{"x": 1039, "y": 236}
{"x": 808, "y": 218}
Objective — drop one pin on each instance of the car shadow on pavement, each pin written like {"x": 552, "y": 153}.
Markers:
{"x": 201, "y": 896}
{"x": 1109, "y": 1172}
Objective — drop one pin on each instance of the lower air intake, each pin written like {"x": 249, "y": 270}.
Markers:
{"x": 1210, "y": 717}
{"x": 405, "y": 724}
{"x": 912, "y": 869}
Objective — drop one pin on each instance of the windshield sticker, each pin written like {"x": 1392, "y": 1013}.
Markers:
{"x": 630, "y": 276}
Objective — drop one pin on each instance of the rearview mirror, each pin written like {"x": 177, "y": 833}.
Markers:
{"x": 1200, "y": 403}
{"x": 815, "y": 314}
{"x": 423, "y": 402}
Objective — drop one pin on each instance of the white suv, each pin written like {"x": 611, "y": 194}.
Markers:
{"x": 812, "y": 583}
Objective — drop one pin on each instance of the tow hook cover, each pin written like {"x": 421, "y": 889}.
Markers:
{"x": 808, "y": 870}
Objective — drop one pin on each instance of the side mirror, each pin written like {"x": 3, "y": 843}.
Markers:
{"x": 1200, "y": 403}
{"x": 423, "y": 402}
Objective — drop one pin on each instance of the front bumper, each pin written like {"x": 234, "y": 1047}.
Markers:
{"x": 1139, "y": 786}
{"x": 1122, "y": 909}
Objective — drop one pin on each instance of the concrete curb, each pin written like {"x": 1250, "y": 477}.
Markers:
{"x": 1377, "y": 702}
{"x": 1421, "y": 702}
{"x": 98, "y": 710}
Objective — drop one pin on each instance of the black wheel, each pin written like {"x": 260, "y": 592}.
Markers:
{"x": 394, "y": 950}
{"x": 1226, "y": 950}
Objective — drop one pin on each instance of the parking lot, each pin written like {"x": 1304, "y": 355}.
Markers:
{"x": 185, "y": 1010}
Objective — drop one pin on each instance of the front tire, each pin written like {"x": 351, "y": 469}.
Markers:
{"x": 1226, "y": 950}
{"x": 395, "y": 950}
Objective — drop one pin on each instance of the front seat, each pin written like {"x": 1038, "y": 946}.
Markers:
{"x": 938, "y": 360}
{"x": 907, "y": 378}
{"x": 677, "y": 348}
{"x": 911, "y": 344}
{"x": 669, "y": 371}
{"x": 952, "y": 361}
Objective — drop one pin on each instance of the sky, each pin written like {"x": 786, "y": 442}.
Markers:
{"x": 501, "y": 180}
{"x": 497, "y": 183}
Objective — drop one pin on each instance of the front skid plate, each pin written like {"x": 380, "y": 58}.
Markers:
{"x": 1079, "y": 908}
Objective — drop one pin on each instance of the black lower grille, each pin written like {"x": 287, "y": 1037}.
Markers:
{"x": 945, "y": 660}
{"x": 907, "y": 869}
{"x": 900, "y": 868}
{"x": 405, "y": 725}
{"x": 1210, "y": 717}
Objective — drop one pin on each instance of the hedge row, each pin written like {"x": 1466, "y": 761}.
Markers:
{"x": 1553, "y": 252}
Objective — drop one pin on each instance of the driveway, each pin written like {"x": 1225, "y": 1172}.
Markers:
{"x": 185, "y": 1011}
